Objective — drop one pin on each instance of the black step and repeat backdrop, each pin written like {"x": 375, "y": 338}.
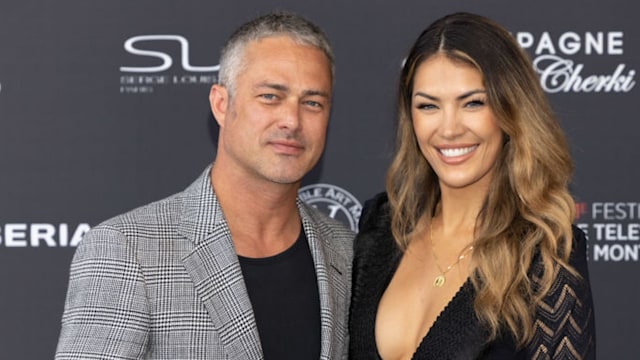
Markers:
{"x": 103, "y": 107}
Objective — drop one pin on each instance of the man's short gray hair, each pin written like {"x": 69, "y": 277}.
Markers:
{"x": 299, "y": 29}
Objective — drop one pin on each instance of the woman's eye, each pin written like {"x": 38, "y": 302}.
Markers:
{"x": 474, "y": 103}
{"x": 426, "y": 106}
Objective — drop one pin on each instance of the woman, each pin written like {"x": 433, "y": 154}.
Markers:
{"x": 471, "y": 253}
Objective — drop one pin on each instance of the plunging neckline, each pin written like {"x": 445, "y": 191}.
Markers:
{"x": 438, "y": 320}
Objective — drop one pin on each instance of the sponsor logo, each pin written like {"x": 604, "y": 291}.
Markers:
{"x": 166, "y": 62}
{"x": 553, "y": 60}
{"x": 613, "y": 229}
{"x": 21, "y": 235}
{"x": 333, "y": 201}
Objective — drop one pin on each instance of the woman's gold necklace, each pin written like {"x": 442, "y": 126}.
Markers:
{"x": 441, "y": 279}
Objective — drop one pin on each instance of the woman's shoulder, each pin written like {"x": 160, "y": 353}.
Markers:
{"x": 578, "y": 248}
{"x": 374, "y": 235}
{"x": 375, "y": 212}
{"x": 578, "y": 260}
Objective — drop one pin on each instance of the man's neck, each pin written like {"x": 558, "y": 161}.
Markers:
{"x": 262, "y": 216}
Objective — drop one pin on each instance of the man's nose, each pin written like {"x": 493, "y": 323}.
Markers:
{"x": 290, "y": 115}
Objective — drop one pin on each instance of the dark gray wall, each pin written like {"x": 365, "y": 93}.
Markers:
{"x": 82, "y": 140}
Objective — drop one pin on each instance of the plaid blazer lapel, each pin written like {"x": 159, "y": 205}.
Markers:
{"x": 214, "y": 268}
{"x": 333, "y": 275}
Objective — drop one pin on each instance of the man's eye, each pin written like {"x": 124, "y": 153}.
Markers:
{"x": 313, "y": 103}
{"x": 268, "y": 96}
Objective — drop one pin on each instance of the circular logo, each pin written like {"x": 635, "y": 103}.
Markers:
{"x": 334, "y": 201}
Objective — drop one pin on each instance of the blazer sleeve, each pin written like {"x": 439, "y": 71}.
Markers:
{"x": 565, "y": 325}
{"x": 106, "y": 311}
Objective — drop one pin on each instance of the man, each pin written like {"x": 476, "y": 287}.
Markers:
{"x": 235, "y": 266}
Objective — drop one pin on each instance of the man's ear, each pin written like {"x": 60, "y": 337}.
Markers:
{"x": 219, "y": 101}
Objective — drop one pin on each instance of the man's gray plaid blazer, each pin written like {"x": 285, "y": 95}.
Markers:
{"x": 163, "y": 282}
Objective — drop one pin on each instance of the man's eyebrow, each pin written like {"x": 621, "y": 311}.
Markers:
{"x": 316, "y": 93}
{"x": 284, "y": 88}
{"x": 273, "y": 86}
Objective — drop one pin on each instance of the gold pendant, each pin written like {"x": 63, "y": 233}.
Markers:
{"x": 439, "y": 281}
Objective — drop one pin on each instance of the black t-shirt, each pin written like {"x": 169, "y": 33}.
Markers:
{"x": 284, "y": 295}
